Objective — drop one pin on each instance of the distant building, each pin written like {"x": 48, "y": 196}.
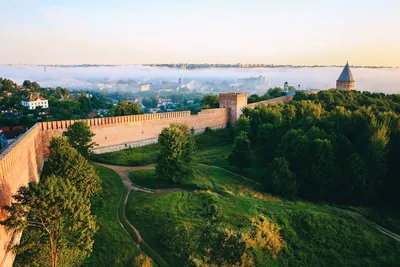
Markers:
{"x": 180, "y": 82}
{"x": 35, "y": 100}
{"x": 252, "y": 81}
{"x": 145, "y": 87}
{"x": 286, "y": 87}
{"x": 345, "y": 80}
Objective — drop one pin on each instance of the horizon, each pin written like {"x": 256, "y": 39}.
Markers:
{"x": 223, "y": 32}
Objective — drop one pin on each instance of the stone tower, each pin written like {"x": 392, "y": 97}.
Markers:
{"x": 345, "y": 80}
{"x": 235, "y": 102}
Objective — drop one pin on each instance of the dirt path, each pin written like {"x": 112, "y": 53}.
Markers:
{"x": 376, "y": 226}
{"x": 124, "y": 174}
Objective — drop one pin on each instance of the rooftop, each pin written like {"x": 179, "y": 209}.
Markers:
{"x": 346, "y": 75}
{"x": 33, "y": 97}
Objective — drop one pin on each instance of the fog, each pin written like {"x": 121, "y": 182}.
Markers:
{"x": 375, "y": 80}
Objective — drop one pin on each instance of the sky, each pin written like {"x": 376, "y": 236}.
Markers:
{"x": 365, "y": 32}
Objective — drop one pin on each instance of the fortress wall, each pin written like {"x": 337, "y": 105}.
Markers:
{"x": 23, "y": 160}
{"x": 20, "y": 163}
{"x": 117, "y": 133}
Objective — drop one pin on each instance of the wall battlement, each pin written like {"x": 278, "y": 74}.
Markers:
{"x": 22, "y": 161}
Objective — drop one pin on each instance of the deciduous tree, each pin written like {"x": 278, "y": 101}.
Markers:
{"x": 125, "y": 108}
{"x": 241, "y": 155}
{"x": 59, "y": 211}
{"x": 66, "y": 162}
{"x": 80, "y": 137}
{"x": 175, "y": 160}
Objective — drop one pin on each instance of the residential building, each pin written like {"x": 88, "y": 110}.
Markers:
{"x": 145, "y": 87}
{"x": 35, "y": 100}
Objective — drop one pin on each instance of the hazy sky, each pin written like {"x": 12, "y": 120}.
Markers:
{"x": 365, "y": 32}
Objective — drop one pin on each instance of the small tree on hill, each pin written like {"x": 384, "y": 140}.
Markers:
{"x": 279, "y": 179}
{"x": 58, "y": 211}
{"x": 175, "y": 160}
{"x": 80, "y": 137}
{"x": 241, "y": 155}
{"x": 210, "y": 101}
{"x": 125, "y": 108}
{"x": 68, "y": 163}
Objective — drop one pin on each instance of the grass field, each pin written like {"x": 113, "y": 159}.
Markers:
{"x": 313, "y": 235}
{"x": 205, "y": 178}
{"x": 138, "y": 156}
{"x": 213, "y": 148}
{"x": 183, "y": 227}
{"x": 112, "y": 246}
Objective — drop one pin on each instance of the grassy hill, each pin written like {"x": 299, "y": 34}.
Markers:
{"x": 112, "y": 246}
{"x": 179, "y": 225}
{"x": 221, "y": 219}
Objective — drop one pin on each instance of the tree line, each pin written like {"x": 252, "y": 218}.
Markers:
{"x": 338, "y": 146}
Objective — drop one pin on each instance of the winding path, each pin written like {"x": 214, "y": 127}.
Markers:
{"x": 124, "y": 174}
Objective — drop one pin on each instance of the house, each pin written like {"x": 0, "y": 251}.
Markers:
{"x": 145, "y": 87}
{"x": 35, "y": 100}
{"x": 10, "y": 134}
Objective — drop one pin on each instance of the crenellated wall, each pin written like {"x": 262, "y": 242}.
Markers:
{"x": 116, "y": 133}
{"x": 20, "y": 163}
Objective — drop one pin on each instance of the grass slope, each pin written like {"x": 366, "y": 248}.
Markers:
{"x": 315, "y": 235}
{"x": 112, "y": 246}
{"x": 205, "y": 178}
{"x": 213, "y": 148}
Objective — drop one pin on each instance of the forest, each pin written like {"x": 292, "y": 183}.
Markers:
{"x": 336, "y": 146}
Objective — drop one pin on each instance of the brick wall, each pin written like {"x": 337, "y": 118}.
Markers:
{"x": 120, "y": 131}
{"x": 20, "y": 163}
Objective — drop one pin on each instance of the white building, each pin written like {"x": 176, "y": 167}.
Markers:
{"x": 145, "y": 87}
{"x": 35, "y": 100}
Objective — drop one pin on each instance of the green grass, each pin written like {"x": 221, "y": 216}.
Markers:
{"x": 138, "y": 156}
{"x": 205, "y": 178}
{"x": 176, "y": 225}
{"x": 213, "y": 148}
{"x": 112, "y": 246}
{"x": 315, "y": 235}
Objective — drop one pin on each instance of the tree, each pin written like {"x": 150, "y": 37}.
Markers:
{"x": 279, "y": 179}
{"x": 276, "y": 92}
{"x": 125, "y": 108}
{"x": 210, "y": 101}
{"x": 56, "y": 209}
{"x": 66, "y": 162}
{"x": 27, "y": 84}
{"x": 243, "y": 125}
{"x": 80, "y": 136}
{"x": 175, "y": 160}
{"x": 150, "y": 102}
{"x": 241, "y": 154}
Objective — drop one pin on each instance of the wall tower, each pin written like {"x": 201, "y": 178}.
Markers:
{"x": 234, "y": 102}
{"x": 345, "y": 80}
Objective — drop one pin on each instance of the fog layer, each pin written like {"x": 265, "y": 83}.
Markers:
{"x": 375, "y": 80}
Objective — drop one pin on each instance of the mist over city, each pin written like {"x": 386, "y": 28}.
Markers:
{"x": 113, "y": 78}
{"x": 213, "y": 133}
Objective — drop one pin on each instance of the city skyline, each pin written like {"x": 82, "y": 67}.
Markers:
{"x": 249, "y": 32}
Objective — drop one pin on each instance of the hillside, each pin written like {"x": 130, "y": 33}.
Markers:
{"x": 182, "y": 226}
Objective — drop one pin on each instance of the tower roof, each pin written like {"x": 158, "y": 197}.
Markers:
{"x": 346, "y": 75}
